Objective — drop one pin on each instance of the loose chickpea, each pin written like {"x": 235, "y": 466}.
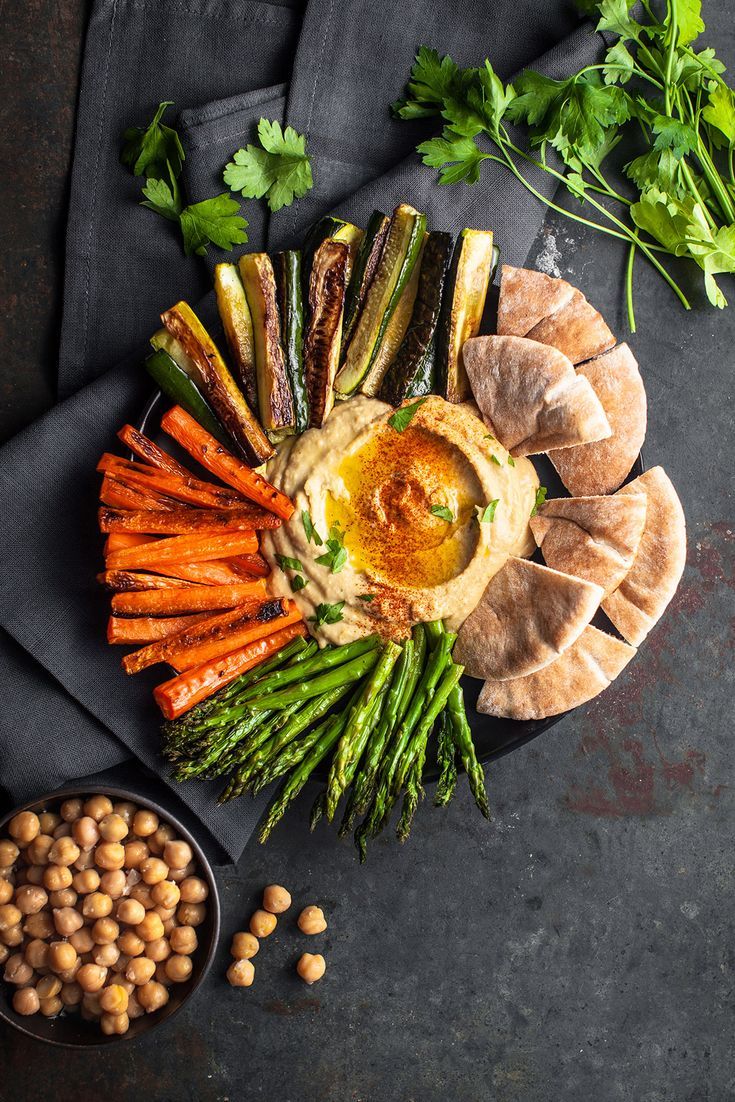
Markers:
{"x": 165, "y": 894}
{"x": 130, "y": 943}
{"x": 48, "y": 821}
{"x": 17, "y": 970}
{"x": 151, "y": 928}
{"x": 67, "y": 921}
{"x": 193, "y": 890}
{"x": 65, "y": 897}
{"x": 96, "y": 807}
{"x": 10, "y": 916}
{"x": 33, "y": 875}
{"x": 4, "y": 953}
{"x": 30, "y": 899}
{"x": 178, "y": 968}
{"x": 157, "y": 841}
{"x": 91, "y": 977}
{"x": 105, "y": 931}
{"x": 9, "y": 852}
{"x": 24, "y": 827}
{"x": 140, "y": 970}
{"x": 145, "y": 823}
{"x": 85, "y": 832}
{"x": 130, "y": 911}
{"x": 35, "y": 953}
{"x": 82, "y": 940}
{"x": 158, "y": 950}
{"x": 122, "y": 962}
{"x": 114, "y": 999}
{"x": 61, "y": 956}
{"x": 312, "y": 920}
{"x": 276, "y": 899}
{"x": 26, "y": 1001}
{"x": 68, "y": 975}
{"x": 64, "y": 851}
{"x": 96, "y": 905}
{"x": 40, "y": 925}
{"x": 85, "y": 860}
{"x": 179, "y": 875}
{"x": 107, "y": 954}
{"x": 241, "y": 973}
{"x": 63, "y": 830}
{"x": 152, "y": 996}
{"x": 311, "y": 967}
{"x": 91, "y": 1009}
{"x": 71, "y": 810}
{"x": 262, "y": 923}
{"x": 161, "y": 975}
{"x": 153, "y": 870}
{"x": 114, "y": 1024}
{"x": 142, "y": 893}
{"x": 169, "y": 924}
{"x": 244, "y": 945}
{"x": 38, "y": 850}
{"x": 166, "y": 914}
{"x": 183, "y": 939}
{"x": 135, "y": 1010}
{"x": 57, "y": 877}
{"x": 114, "y": 883}
{"x": 71, "y": 994}
{"x": 51, "y": 1007}
{"x": 86, "y": 881}
{"x": 126, "y": 985}
{"x": 6, "y": 892}
{"x": 126, "y": 811}
{"x": 12, "y": 937}
{"x": 177, "y": 854}
{"x": 135, "y": 854}
{"x": 110, "y": 855}
{"x": 48, "y": 986}
{"x": 113, "y": 828}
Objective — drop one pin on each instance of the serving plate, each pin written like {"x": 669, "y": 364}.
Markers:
{"x": 493, "y": 737}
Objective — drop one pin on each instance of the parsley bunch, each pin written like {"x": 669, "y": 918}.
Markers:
{"x": 280, "y": 170}
{"x": 680, "y": 191}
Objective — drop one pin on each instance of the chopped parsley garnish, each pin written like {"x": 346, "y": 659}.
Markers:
{"x": 327, "y": 614}
{"x": 298, "y": 582}
{"x": 336, "y": 555}
{"x": 489, "y": 436}
{"x": 287, "y": 563}
{"x": 366, "y": 597}
{"x": 511, "y": 461}
{"x": 403, "y": 417}
{"x": 311, "y": 533}
{"x": 487, "y": 515}
{"x": 443, "y": 512}
{"x": 496, "y": 461}
{"x": 279, "y": 169}
{"x": 540, "y": 499}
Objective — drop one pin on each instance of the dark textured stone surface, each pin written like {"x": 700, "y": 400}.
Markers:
{"x": 579, "y": 947}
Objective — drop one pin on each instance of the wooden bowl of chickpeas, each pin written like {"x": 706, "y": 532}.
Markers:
{"x": 109, "y": 916}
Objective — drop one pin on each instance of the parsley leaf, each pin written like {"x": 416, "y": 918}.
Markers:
{"x": 287, "y": 563}
{"x": 298, "y": 582}
{"x": 443, "y": 512}
{"x": 280, "y": 170}
{"x": 327, "y": 614}
{"x": 457, "y": 157}
{"x": 403, "y": 417}
{"x": 720, "y": 112}
{"x": 687, "y": 16}
{"x": 487, "y": 515}
{"x": 162, "y": 198}
{"x": 541, "y": 493}
{"x": 495, "y": 460}
{"x": 216, "y": 221}
{"x": 432, "y": 81}
{"x": 311, "y": 533}
{"x": 336, "y": 555}
{"x": 147, "y": 151}
{"x": 511, "y": 460}
{"x": 366, "y": 597}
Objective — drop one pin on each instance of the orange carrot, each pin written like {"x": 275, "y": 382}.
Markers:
{"x": 195, "y": 598}
{"x": 192, "y": 491}
{"x": 206, "y": 573}
{"x": 211, "y": 629}
{"x": 148, "y": 629}
{"x": 183, "y": 519}
{"x": 206, "y": 651}
{"x": 120, "y": 495}
{"x": 210, "y": 453}
{"x": 178, "y": 549}
{"x": 248, "y": 565}
{"x": 181, "y": 693}
{"x": 150, "y": 453}
{"x": 123, "y": 581}
{"x": 117, "y": 540}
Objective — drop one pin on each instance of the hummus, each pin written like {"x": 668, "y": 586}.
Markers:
{"x": 405, "y": 506}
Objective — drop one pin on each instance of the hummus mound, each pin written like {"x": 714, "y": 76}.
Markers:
{"x": 379, "y": 487}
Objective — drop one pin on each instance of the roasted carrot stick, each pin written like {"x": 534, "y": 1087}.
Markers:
{"x": 183, "y": 520}
{"x": 211, "y": 629}
{"x": 208, "y": 650}
{"x": 120, "y": 495}
{"x": 116, "y": 541}
{"x": 178, "y": 602}
{"x": 149, "y": 452}
{"x": 182, "y": 549}
{"x": 206, "y": 573}
{"x": 191, "y": 491}
{"x": 249, "y": 565}
{"x": 181, "y": 693}
{"x": 124, "y": 581}
{"x": 210, "y": 453}
{"x": 144, "y": 629}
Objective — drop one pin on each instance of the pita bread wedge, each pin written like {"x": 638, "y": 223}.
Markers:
{"x": 531, "y": 396}
{"x": 576, "y": 329}
{"x": 640, "y": 599}
{"x": 594, "y": 538}
{"x": 601, "y": 467}
{"x": 587, "y": 667}
{"x": 527, "y": 617}
{"x": 526, "y": 298}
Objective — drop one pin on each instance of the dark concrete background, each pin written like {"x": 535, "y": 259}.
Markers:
{"x": 580, "y": 947}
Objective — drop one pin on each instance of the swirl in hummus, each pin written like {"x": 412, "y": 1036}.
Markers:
{"x": 379, "y": 486}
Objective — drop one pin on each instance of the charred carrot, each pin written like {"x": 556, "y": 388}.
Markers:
{"x": 191, "y": 491}
{"x": 116, "y": 541}
{"x": 119, "y": 495}
{"x": 124, "y": 581}
{"x": 144, "y": 629}
{"x": 210, "y": 453}
{"x": 249, "y": 565}
{"x": 209, "y": 650}
{"x": 181, "y": 693}
{"x": 206, "y": 573}
{"x": 184, "y": 520}
{"x": 150, "y": 453}
{"x": 182, "y": 549}
{"x": 192, "y": 598}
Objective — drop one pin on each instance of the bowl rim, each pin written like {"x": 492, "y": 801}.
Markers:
{"x": 213, "y": 906}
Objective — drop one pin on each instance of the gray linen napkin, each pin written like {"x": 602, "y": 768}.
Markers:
{"x": 71, "y": 705}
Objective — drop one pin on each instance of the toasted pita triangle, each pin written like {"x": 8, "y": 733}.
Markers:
{"x": 586, "y": 668}
{"x": 594, "y": 538}
{"x": 640, "y": 599}
{"x": 531, "y": 396}
{"x": 603, "y": 466}
{"x": 528, "y": 615}
{"x": 576, "y": 329}
{"x": 526, "y": 298}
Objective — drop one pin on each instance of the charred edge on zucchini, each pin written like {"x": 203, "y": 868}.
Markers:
{"x": 395, "y": 330}
{"x": 275, "y": 401}
{"x": 338, "y": 230}
{"x": 287, "y": 267}
{"x": 323, "y": 337}
{"x": 216, "y": 382}
{"x": 363, "y": 270}
{"x": 411, "y": 372}
{"x": 237, "y": 323}
{"x": 181, "y": 389}
{"x": 464, "y": 302}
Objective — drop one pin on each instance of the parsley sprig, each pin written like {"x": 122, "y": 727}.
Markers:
{"x": 680, "y": 193}
{"x": 335, "y": 556}
{"x": 280, "y": 169}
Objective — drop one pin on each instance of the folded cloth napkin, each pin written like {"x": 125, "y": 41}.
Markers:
{"x": 69, "y": 708}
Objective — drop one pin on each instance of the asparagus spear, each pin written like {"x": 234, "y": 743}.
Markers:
{"x": 447, "y": 761}
{"x": 346, "y": 674}
{"x": 414, "y": 793}
{"x": 296, "y": 751}
{"x": 317, "y": 810}
{"x": 466, "y": 747}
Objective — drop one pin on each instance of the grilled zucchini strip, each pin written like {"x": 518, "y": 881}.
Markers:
{"x": 275, "y": 401}
{"x": 324, "y": 334}
{"x": 287, "y": 267}
{"x": 464, "y": 302}
{"x": 237, "y": 323}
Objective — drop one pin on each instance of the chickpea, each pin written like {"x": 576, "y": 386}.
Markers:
{"x": 105, "y": 931}
{"x": 36, "y": 953}
{"x": 4, "y": 953}
{"x": 178, "y": 968}
{"x": 71, "y": 810}
{"x": 114, "y": 883}
{"x": 126, "y": 985}
{"x": 142, "y": 893}
{"x": 26, "y": 1001}
{"x": 179, "y": 875}
{"x": 130, "y": 943}
{"x": 96, "y": 807}
{"x": 82, "y": 940}
{"x": 57, "y": 877}
{"x": 96, "y": 905}
{"x": 112, "y": 828}
{"x": 262, "y": 923}
{"x": 244, "y": 945}
{"x": 40, "y": 925}
{"x": 158, "y": 950}
{"x": 48, "y": 987}
{"x": 177, "y": 854}
{"x": 33, "y": 875}
{"x": 17, "y": 970}
{"x": 6, "y": 892}
{"x": 63, "y": 830}
{"x": 85, "y": 860}
{"x": 64, "y": 851}
{"x": 140, "y": 970}
{"x": 10, "y": 915}
{"x": 110, "y": 855}
{"x": 69, "y": 975}
{"x": 169, "y": 924}
{"x": 130, "y": 911}
{"x": 241, "y": 973}
{"x": 38, "y": 850}
{"x": 312, "y": 920}
{"x": 9, "y": 852}
{"x": 12, "y": 937}
{"x": 193, "y": 890}
{"x": 91, "y": 977}
{"x": 86, "y": 881}
{"x": 67, "y": 921}
{"x": 183, "y": 939}
{"x": 48, "y": 821}
{"x": 91, "y": 1009}
{"x": 162, "y": 976}
{"x": 106, "y": 955}
{"x": 65, "y": 897}
{"x": 152, "y": 996}
{"x": 166, "y": 894}
{"x": 135, "y": 854}
{"x": 114, "y": 1024}
{"x": 85, "y": 832}
{"x": 153, "y": 870}
{"x": 30, "y": 899}
{"x": 135, "y": 1010}
{"x": 114, "y": 999}
{"x": 157, "y": 841}
{"x": 276, "y": 899}
{"x": 126, "y": 811}
{"x": 145, "y": 823}
{"x": 51, "y": 1007}
{"x": 24, "y": 827}
{"x": 151, "y": 928}
{"x": 62, "y": 956}
{"x": 311, "y": 967}
{"x": 71, "y": 994}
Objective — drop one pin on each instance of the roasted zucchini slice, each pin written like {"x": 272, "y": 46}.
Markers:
{"x": 287, "y": 267}
{"x": 338, "y": 230}
{"x": 363, "y": 269}
{"x": 324, "y": 333}
{"x": 178, "y": 385}
{"x": 216, "y": 383}
{"x": 275, "y": 401}
{"x": 464, "y": 302}
{"x": 395, "y": 331}
{"x": 237, "y": 323}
